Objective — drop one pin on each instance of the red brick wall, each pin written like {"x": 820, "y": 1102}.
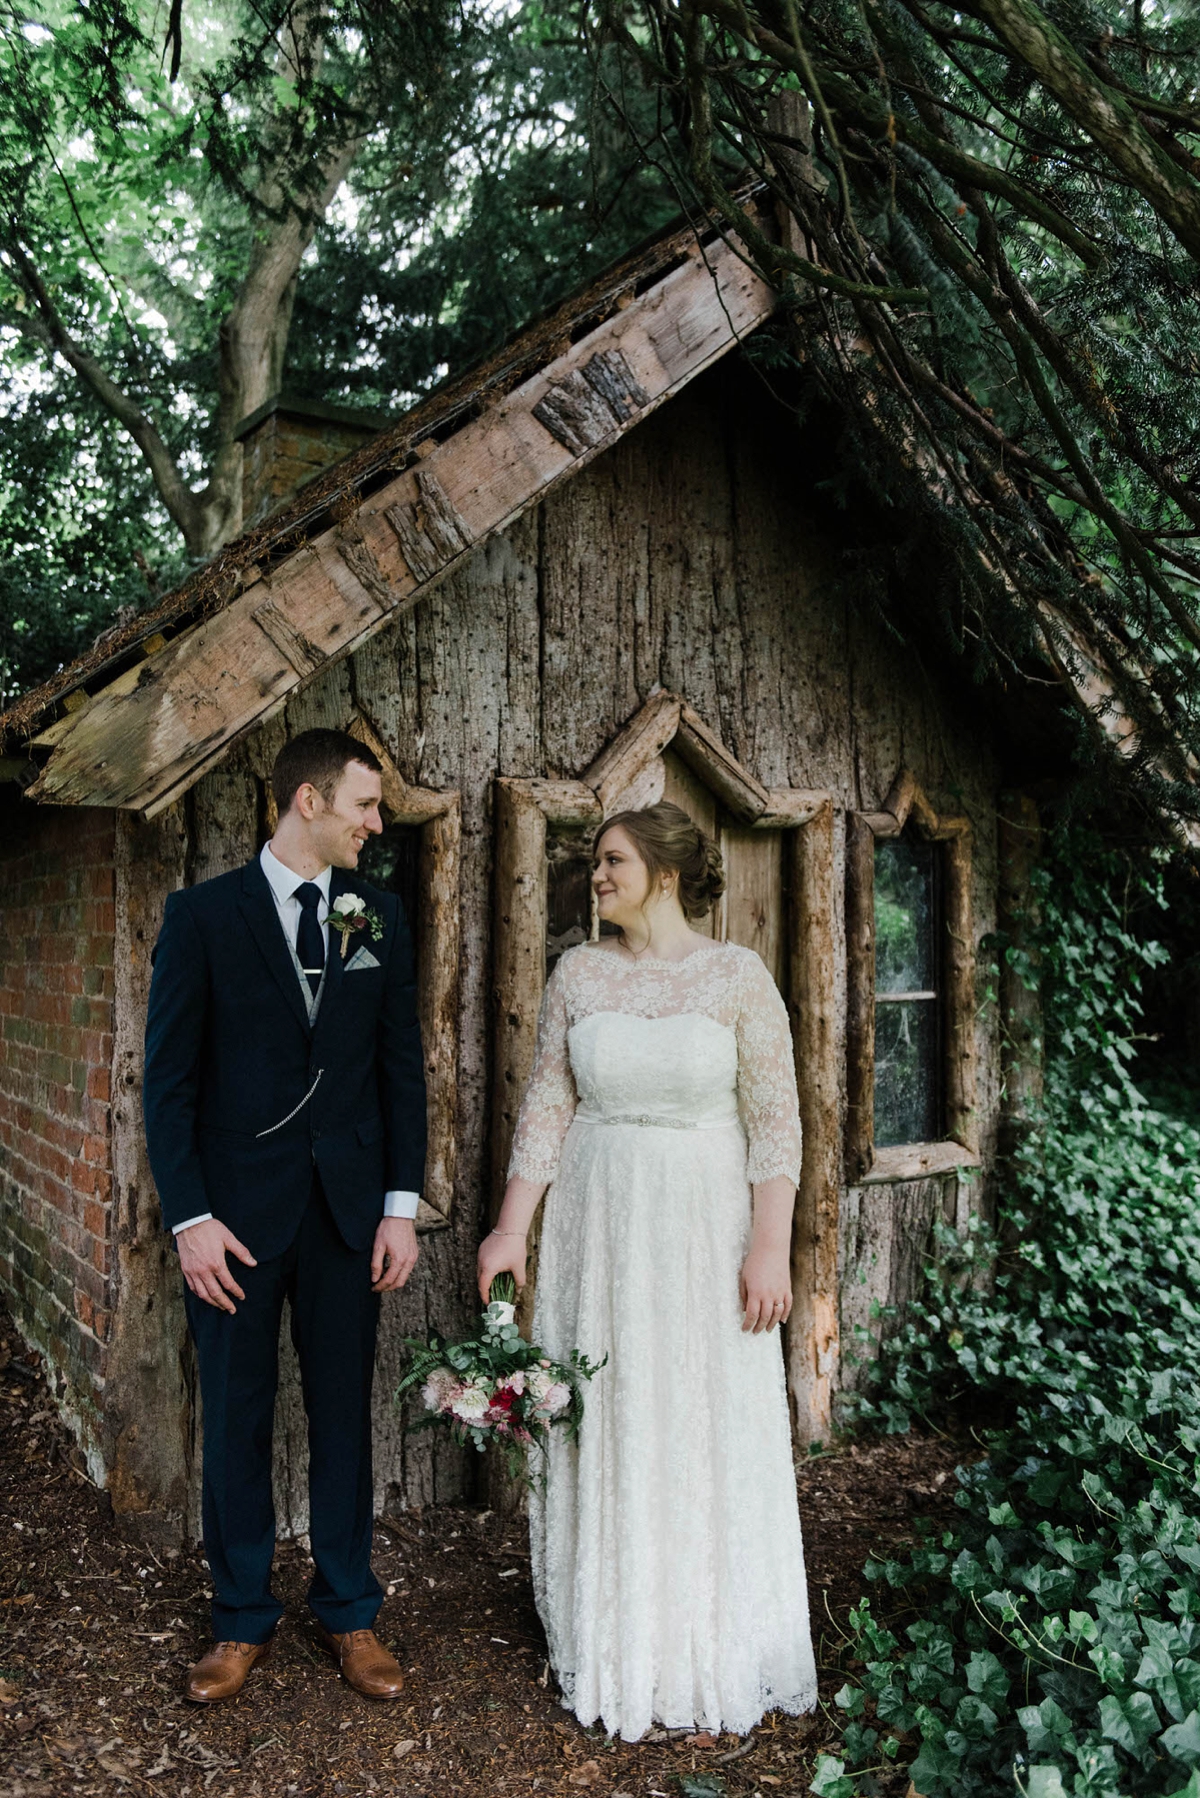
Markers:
{"x": 57, "y": 925}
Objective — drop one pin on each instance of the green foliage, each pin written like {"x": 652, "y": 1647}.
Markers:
{"x": 483, "y": 180}
{"x": 1057, "y": 1641}
{"x": 995, "y": 305}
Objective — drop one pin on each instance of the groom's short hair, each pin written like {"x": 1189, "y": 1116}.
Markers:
{"x": 318, "y": 758}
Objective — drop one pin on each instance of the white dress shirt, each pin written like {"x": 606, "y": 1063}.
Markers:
{"x": 284, "y": 884}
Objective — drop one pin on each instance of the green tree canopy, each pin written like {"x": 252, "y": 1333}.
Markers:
{"x": 351, "y": 198}
{"x": 987, "y": 260}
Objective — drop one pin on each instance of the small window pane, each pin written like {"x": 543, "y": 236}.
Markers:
{"x": 905, "y": 949}
{"x": 391, "y": 861}
{"x": 906, "y": 1083}
{"x": 568, "y": 894}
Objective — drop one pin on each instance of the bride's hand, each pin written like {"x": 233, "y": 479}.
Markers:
{"x": 766, "y": 1291}
{"x": 500, "y": 1255}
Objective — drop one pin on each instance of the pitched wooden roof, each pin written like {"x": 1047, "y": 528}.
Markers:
{"x": 141, "y": 717}
{"x": 157, "y": 702}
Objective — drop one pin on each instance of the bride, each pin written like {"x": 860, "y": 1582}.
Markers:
{"x": 662, "y": 1115}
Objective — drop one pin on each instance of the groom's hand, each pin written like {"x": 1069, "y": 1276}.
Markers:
{"x": 395, "y": 1253}
{"x": 202, "y": 1252}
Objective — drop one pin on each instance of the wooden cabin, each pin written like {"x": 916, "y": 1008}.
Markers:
{"x": 600, "y": 569}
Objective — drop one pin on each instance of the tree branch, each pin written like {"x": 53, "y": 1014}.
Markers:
{"x": 874, "y": 118}
{"x": 47, "y": 328}
{"x": 1100, "y": 110}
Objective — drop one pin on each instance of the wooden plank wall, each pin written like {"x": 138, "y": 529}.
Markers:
{"x": 686, "y": 556}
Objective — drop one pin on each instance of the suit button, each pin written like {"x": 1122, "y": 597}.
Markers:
{"x": 316, "y": 1136}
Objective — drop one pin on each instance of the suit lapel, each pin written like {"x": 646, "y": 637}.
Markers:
{"x": 257, "y": 907}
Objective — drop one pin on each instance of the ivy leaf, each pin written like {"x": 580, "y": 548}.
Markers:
{"x": 1182, "y": 1740}
{"x": 1047, "y": 1727}
{"x": 1174, "y": 1681}
{"x": 1129, "y": 1722}
{"x": 935, "y": 1770}
{"x": 831, "y": 1779}
{"x": 1045, "y": 1782}
{"x": 987, "y": 1677}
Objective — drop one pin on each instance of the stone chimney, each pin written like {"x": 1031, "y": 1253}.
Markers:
{"x": 288, "y": 441}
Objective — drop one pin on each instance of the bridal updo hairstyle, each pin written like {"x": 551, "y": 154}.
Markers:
{"x": 670, "y": 843}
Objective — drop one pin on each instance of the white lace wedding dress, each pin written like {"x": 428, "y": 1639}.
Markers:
{"x": 666, "y": 1550}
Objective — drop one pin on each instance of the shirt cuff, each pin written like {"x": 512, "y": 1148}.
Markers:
{"x": 204, "y": 1218}
{"x": 401, "y": 1204}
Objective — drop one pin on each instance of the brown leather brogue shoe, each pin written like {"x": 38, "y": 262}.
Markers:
{"x": 222, "y": 1671}
{"x": 365, "y": 1663}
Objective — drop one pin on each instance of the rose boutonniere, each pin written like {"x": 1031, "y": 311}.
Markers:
{"x": 350, "y": 914}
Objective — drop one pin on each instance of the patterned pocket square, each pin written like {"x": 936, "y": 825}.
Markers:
{"x": 362, "y": 958}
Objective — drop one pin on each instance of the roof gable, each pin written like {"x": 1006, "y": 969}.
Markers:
{"x": 145, "y": 738}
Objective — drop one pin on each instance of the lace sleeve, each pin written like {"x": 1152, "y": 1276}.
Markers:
{"x": 550, "y": 1098}
{"x": 766, "y": 1077}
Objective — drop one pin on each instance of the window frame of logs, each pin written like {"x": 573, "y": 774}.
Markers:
{"x": 525, "y": 811}
{"x": 908, "y": 807}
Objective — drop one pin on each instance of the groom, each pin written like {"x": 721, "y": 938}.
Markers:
{"x": 285, "y": 1120}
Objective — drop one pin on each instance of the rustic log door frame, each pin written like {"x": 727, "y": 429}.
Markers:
{"x": 907, "y": 805}
{"x": 524, "y": 811}
{"x": 439, "y": 817}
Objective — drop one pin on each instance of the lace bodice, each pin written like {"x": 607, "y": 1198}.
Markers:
{"x": 720, "y": 1047}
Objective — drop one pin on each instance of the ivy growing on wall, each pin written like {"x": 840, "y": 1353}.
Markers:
{"x": 1056, "y": 1642}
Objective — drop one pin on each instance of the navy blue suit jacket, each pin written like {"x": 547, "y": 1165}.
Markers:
{"x": 230, "y": 1051}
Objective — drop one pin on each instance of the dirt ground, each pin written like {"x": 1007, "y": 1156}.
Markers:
{"x": 96, "y": 1635}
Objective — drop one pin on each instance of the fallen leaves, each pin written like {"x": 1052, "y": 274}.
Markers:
{"x": 87, "y": 1631}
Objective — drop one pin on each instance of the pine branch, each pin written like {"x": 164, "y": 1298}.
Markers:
{"x": 863, "y": 109}
{"x": 1100, "y": 110}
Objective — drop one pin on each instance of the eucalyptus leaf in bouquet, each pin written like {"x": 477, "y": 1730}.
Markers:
{"x": 494, "y": 1387}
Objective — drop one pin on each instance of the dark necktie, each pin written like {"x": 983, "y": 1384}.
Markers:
{"x": 310, "y": 944}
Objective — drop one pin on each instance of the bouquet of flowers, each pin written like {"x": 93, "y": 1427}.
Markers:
{"x": 495, "y": 1386}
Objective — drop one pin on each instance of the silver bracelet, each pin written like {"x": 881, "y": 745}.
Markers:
{"x": 508, "y": 1232}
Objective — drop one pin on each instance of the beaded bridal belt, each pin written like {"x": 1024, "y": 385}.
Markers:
{"x": 646, "y": 1121}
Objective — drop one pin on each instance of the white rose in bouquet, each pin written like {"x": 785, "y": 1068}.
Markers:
{"x": 349, "y": 905}
{"x": 556, "y": 1400}
{"x": 470, "y": 1403}
{"x": 537, "y": 1384}
{"x": 499, "y": 1314}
